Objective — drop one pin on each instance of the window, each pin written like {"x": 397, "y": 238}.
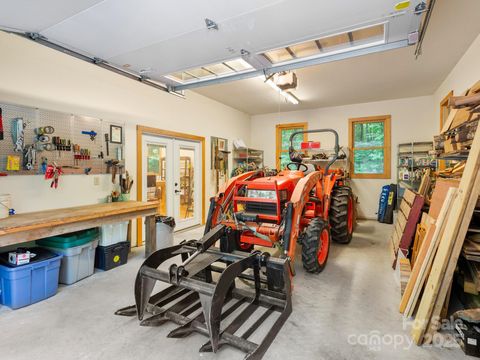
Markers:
{"x": 211, "y": 71}
{"x": 369, "y": 141}
{"x": 328, "y": 45}
{"x": 283, "y": 141}
{"x": 444, "y": 109}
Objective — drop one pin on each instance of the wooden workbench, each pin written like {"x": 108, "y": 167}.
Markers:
{"x": 26, "y": 227}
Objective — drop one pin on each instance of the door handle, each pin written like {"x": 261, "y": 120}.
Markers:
{"x": 177, "y": 191}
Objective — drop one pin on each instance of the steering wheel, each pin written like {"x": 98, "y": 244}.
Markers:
{"x": 298, "y": 166}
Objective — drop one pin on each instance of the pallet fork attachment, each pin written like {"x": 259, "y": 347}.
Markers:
{"x": 215, "y": 306}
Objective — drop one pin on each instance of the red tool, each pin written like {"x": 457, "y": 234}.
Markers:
{"x": 1, "y": 125}
{"x": 53, "y": 172}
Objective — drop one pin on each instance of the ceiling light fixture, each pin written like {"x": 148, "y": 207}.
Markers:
{"x": 288, "y": 96}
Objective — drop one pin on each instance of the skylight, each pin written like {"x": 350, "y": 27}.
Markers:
{"x": 211, "y": 71}
{"x": 342, "y": 42}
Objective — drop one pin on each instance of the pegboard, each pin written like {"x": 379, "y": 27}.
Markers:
{"x": 68, "y": 127}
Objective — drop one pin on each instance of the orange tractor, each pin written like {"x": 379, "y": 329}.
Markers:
{"x": 215, "y": 291}
{"x": 306, "y": 204}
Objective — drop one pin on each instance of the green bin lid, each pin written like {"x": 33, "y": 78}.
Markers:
{"x": 70, "y": 240}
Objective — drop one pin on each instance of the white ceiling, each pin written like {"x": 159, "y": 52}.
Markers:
{"x": 381, "y": 76}
{"x": 166, "y": 36}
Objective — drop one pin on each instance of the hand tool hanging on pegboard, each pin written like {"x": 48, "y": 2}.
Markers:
{"x": 53, "y": 172}
{"x": 1, "y": 125}
{"x": 44, "y": 130}
{"x": 29, "y": 157}
{"x": 90, "y": 133}
{"x": 106, "y": 144}
{"x": 18, "y": 134}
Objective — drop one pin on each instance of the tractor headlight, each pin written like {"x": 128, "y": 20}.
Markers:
{"x": 262, "y": 194}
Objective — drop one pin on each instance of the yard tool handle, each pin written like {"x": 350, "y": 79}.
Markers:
{"x": 336, "y": 148}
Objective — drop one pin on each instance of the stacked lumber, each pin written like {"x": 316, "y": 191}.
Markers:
{"x": 471, "y": 249}
{"x": 459, "y": 129}
{"x": 450, "y": 232}
{"x": 418, "y": 241}
{"x": 425, "y": 184}
{"x": 471, "y": 284}
{"x": 408, "y": 217}
{"x": 471, "y": 254}
{"x": 405, "y": 271}
{"x": 455, "y": 171}
{"x": 426, "y": 254}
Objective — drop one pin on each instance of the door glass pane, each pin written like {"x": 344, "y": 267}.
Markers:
{"x": 187, "y": 185}
{"x": 368, "y": 161}
{"x": 368, "y": 134}
{"x": 156, "y": 175}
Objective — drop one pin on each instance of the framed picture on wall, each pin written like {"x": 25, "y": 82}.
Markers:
{"x": 222, "y": 144}
{"x": 116, "y": 134}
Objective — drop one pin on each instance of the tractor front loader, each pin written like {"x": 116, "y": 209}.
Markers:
{"x": 216, "y": 291}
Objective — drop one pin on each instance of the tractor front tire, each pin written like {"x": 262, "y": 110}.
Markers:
{"x": 316, "y": 246}
{"x": 342, "y": 214}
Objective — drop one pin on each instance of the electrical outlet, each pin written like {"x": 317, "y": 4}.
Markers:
{"x": 96, "y": 180}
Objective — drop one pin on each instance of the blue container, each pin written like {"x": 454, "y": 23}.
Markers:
{"x": 28, "y": 284}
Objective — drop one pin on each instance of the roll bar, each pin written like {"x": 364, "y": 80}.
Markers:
{"x": 296, "y": 156}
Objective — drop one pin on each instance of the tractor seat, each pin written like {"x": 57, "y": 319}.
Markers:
{"x": 311, "y": 168}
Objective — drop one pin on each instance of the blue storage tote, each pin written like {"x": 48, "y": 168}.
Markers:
{"x": 27, "y": 284}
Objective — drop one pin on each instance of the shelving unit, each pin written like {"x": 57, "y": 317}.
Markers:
{"x": 242, "y": 156}
{"x": 412, "y": 161}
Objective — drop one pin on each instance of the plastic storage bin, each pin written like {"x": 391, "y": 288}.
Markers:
{"x": 27, "y": 284}
{"x": 113, "y": 233}
{"x": 109, "y": 257}
{"x": 70, "y": 240}
{"x": 78, "y": 250}
{"x": 77, "y": 262}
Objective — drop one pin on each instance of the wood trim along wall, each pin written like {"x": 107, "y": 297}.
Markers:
{"x": 443, "y": 107}
{"x": 145, "y": 130}
{"x": 387, "y": 146}
{"x": 442, "y": 164}
{"x": 278, "y": 143}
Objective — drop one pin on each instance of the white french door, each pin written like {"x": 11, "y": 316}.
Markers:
{"x": 171, "y": 171}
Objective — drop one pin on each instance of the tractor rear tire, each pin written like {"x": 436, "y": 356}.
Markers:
{"x": 316, "y": 246}
{"x": 342, "y": 214}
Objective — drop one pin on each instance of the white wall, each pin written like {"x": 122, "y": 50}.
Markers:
{"x": 464, "y": 74}
{"x": 37, "y": 76}
{"x": 412, "y": 120}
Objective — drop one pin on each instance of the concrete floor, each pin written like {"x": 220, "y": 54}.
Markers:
{"x": 337, "y": 314}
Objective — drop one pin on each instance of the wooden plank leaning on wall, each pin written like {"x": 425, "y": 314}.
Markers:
{"x": 449, "y": 249}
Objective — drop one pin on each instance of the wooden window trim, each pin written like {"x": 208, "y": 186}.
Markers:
{"x": 278, "y": 129}
{"x": 443, "y": 107}
{"x": 442, "y": 164}
{"x": 386, "y": 146}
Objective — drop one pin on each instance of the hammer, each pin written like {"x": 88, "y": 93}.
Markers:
{"x": 112, "y": 166}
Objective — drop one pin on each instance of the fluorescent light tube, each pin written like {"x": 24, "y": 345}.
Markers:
{"x": 289, "y": 97}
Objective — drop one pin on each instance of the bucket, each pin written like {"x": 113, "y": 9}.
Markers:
{"x": 5, "y": 205}
{"x": 165, "y": 226}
